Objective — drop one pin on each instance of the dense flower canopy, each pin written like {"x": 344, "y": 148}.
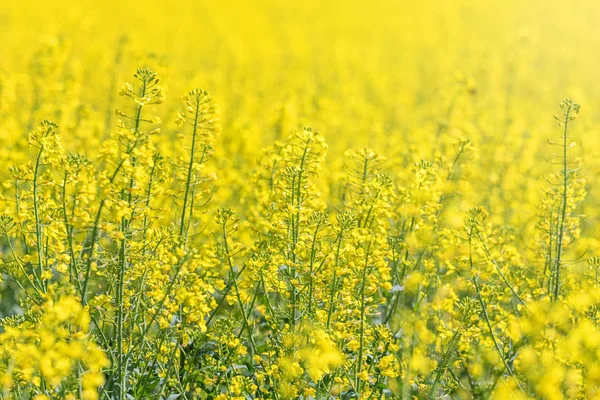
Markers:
{"x": 315, "y": 200}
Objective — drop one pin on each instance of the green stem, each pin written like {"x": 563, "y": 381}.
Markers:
{"x": 36, "y": 211}
{"x": 563, "y": 211}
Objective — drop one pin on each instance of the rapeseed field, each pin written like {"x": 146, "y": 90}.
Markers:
{"x": 278, "y": 199}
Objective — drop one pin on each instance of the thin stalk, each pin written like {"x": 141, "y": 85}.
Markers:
{"x": 563, "y": 210}
{"x": 95, "y": 236}
{"x": 312, "y": 261}
{"x": 508, "y": 284}
{"x": 238, "y": 296}
{"x": 73, "y": 269}
{"x": 334, "y": 283}
{"x": 442, "y": 366}
{"x": 487, "y": 319}
{"x": 36, "y": 211}
{"x": 362, "y": 323}
{"x": 190, "y": 170}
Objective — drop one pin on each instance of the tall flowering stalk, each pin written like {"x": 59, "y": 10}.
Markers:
{"x": 559, "y": 223}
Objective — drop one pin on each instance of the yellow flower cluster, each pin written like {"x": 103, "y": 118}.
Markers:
{"x": 48, "y": 352}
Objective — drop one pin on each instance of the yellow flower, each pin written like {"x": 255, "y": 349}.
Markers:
{"x": 363, "y": 375}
